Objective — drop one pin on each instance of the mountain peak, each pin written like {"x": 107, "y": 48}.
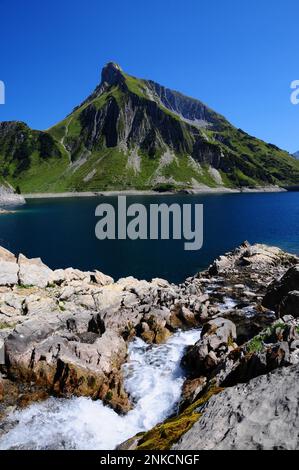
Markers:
{"x": 135, "y": 133}
{"x": 111, "y": 73}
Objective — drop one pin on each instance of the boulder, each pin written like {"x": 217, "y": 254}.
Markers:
{"x": 217, "y": 340}
{"x": 8, "y": 268}
{"x": 69, "y": 355}
{"x": 100, "y": 278}
{"x": 256, "y": 257}
{"x": 290, "y": 304}
{"x": 221, "y": 265}
{"x": 219, "y": 331}
{"x": 37, "y": 304}
{"x": 181, "y": 317}
{"x": 249, "y": 324}
{"x": 260, "y": 415}
{"x": 33, "y": 272}
{"x": 274, "y": 347}
{"x": 278, "y": 290}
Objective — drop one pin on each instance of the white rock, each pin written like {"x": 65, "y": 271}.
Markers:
{"x": 76, "y": 275}
{"x": 58, "y": 276}
{"x": 101, "y": 278}
{"x": 33, "y": 272}
{"x": 8, "y": 268}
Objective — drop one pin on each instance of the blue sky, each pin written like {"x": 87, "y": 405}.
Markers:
{"x": 239, "y": 57}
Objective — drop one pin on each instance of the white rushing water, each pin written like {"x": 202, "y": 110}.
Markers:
{"x": 154, "y": 380}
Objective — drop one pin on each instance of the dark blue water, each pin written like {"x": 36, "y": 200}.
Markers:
{"x": 62, "y": 233}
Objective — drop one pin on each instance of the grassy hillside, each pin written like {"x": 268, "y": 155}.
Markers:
{"x": 133, "y": 133}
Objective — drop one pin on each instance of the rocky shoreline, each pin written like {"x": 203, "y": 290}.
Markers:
{"x": 4, "y": 212}
{"x": 201, "y": 189}
{"x": 66, "y": 332}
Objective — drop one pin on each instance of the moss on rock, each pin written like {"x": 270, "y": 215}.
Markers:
{"x": 164, "y": 435}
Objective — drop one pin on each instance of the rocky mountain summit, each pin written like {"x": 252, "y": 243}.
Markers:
{"x": 133, "y": 133}
{"x": 66, "y": 332}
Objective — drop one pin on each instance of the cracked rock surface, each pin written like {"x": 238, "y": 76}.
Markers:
{"x": 259, "y": 415}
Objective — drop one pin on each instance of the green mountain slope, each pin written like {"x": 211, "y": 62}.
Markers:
{"x": 132, "y": 133}
{"x": 30, "y": 160}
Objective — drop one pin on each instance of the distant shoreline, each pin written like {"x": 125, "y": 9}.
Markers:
{"x": 4, "y": 211}
{"x": 135, "y": 192}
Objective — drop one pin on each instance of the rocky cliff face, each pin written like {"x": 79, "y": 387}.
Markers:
{"x": 8, "y": 196}
{"x": 133, "y": 133}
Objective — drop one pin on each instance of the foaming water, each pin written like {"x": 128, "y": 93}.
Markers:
{"x": 153, "y": 378}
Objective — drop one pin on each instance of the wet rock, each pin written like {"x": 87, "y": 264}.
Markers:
{"x": 181, "y": 317}
{"x": 203, "y": 313}
{"x": 43, "y": 351}
{"x": 16, "y": 395}
{"x": 162, "y": 335}
{"x": 188, "y": 317}
{"x": 191, "y": 389}
{"x": 156, "y": 330}
{"x": 217, "y": 339}
{"x": 146, "y": 333}
{"x": 130, "y": 444}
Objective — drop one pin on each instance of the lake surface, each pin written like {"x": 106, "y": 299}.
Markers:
{"x": 62, "y": 233}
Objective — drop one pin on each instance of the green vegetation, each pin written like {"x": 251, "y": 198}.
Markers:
{"x": 135, "y": 86}
{"x": 4, "y": 325}
{"x": 164, "y": 187}
{"x": 257, "y": 343}
{"x": 250, "y": 162}
{"x": 109, "y": 395}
